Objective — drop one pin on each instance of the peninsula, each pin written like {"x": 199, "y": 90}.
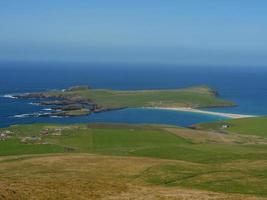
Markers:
{"x": 83, "y": 100}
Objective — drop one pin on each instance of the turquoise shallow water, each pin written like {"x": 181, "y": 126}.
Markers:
{"x": 246, "y": 86}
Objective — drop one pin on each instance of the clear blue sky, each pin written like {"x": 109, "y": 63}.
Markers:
{"x": 223, "y": 32}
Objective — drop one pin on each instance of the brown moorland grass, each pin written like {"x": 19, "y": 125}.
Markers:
{"x": 199, "y": 136}
{"x": 87, "y": 176}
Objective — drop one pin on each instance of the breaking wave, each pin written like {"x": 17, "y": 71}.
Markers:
{"x": 36, "y": 114}
{"x": 9, "y": 96}
{"x": 35, "y": 104}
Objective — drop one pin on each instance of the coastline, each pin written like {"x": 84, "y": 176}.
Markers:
{"x": 194, "y": 110}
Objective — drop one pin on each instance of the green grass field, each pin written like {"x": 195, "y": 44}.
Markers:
{"x": 247, "y": 126}
{"x": 145, "y": 141}
{"x": 15, "y": 147}
{"x": 226, "y": 163}
{"x": 201, "y": 96}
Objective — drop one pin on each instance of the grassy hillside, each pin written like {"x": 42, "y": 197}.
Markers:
{"x": 85, "y": 176}
{"x": 248, "y": 126}
{"x": 182, "y": 158}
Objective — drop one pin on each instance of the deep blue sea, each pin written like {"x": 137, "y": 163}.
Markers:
{"x": 247, "y": 86}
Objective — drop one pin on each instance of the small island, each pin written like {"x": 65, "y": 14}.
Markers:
{"x": 83, "y": 100}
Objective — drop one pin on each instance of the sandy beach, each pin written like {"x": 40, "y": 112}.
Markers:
{"x": 185, "y": 109}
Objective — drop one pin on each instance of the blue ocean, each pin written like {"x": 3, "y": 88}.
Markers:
{"x": 247, "y": 86}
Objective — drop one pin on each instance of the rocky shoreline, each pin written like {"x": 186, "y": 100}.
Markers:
{"x": 65, "y": 105}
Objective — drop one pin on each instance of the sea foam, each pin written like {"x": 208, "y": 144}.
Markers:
{"x": 48, "y": 109}
{"x": 9, "y": 96}
{"x": 35, "y": 104}
{"x": 36, "y": 114}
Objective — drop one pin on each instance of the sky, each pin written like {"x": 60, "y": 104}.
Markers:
{"x": 193, "y": 32}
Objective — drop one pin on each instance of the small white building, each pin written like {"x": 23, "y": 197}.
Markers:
{"x": 3, "y": 136}
{"x": 225, "y": 126}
